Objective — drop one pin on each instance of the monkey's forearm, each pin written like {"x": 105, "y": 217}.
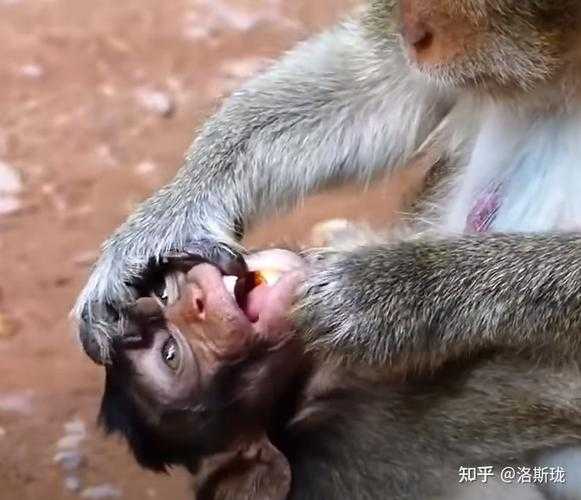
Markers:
{"x": 338, "y": 107}
{"x": 443, "y": 296}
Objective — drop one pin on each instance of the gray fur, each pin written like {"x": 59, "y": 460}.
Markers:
{"x": 345, "y": 106}
{"x": 435, "y": 295}
{"x": 339, "y": 107}
{"x": 406, "y": 441}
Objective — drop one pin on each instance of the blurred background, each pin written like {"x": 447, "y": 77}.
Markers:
{"x": 99, "y": 100}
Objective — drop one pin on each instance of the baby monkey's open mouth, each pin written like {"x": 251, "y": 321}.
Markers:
{"x": 268, "y": 285}
{"x": 251, "y": 290}
{"x": 254, "y": 306}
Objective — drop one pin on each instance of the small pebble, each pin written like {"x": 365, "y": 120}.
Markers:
{"x": 76, "y": 426}
{"x": 70, "y": 441}
{"x": 72, "y": 483}
{"x": 213, "y": 16}
{"x": 145, "y": 168}
{"x": 7, "y": 325}
{"x": 103, "y": 491}
{"x": 18, "y": 402}
{"x": 241, "y": 69}
{"x": 9, "y": 205}
{"x": 32, "y": 71}
{"x": 105, "y": 154}
{"x": 10, "y": 180}
{"x": 69, "y": 460}
{"x": 156, "y": 101}
{"x": 10, "y": 187}
{"x": 86, "y": 258}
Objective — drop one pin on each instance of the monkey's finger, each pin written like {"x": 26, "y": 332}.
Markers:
{"x": 228, "y": 260}
{"x": 98, "y": 324}
{"x": 138, "y": 318}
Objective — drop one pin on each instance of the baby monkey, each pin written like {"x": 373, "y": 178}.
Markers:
{"x": 212, "y": 378}
{"x": 203, "y": 369}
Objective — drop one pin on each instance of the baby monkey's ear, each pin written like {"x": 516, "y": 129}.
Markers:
{"x": 254, "y": 470}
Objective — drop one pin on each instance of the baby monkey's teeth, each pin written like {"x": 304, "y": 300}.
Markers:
{"x": 230, "y": 284}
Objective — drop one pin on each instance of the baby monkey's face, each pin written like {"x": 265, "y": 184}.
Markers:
{"x": 217, "y": 343}
{"x": 225, "y": 318}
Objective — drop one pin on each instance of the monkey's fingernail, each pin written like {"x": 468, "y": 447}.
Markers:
{"x": 232, "y": 264}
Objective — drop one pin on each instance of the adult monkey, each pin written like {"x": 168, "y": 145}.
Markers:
{"x": 493, "y": 85}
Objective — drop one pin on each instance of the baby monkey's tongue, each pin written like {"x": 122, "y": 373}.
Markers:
{"x": 252, "y": 292}
{"x": 255, "y": 302}
{"x": 266, "y": 291}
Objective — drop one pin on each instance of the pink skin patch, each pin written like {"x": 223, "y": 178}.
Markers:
{"x": 483, "y": 213}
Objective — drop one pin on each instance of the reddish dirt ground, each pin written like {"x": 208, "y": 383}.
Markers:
{"x": 99, "y": 101}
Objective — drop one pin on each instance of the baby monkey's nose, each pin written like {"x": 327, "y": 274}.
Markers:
{"x": 194, "y": 303}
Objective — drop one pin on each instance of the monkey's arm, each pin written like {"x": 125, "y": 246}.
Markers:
{"x": 339, "y": 107}
{"x": 382, "y": 302}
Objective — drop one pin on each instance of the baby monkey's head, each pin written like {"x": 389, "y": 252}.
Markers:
{"x": 200, "y": 373}
{"x": 496, "y": 45}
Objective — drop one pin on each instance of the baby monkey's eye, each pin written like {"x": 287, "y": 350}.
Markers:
{"x": 170, "y": 353}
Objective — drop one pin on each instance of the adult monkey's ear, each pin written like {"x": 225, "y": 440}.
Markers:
{"x": 254, "y": 470}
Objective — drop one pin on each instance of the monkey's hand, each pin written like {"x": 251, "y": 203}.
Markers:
{"x": 366, "y": 305}
{"x": 120, "y": 277}
{"x": 324, "y": 114}
{"x": 342, "y": 308}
